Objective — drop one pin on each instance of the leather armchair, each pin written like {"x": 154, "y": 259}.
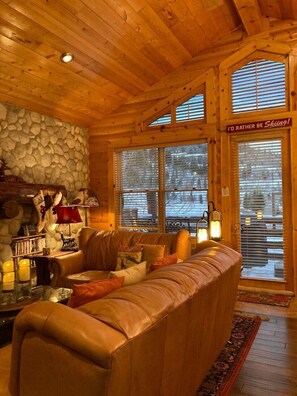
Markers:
{"x": 97, "y": 254}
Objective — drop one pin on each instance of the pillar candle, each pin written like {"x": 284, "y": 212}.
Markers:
{"x": 8, "y": 281}
{"x": 8, "y": 266}
{"x": 24, "y": 270}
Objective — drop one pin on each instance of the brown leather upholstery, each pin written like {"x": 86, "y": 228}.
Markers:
{"x": 5, "y": 359}
{"x": 156, "y": 337}
{"x": 98, "y": 253}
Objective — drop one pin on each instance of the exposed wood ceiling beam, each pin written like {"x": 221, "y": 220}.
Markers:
{"x": 251, "y": 16}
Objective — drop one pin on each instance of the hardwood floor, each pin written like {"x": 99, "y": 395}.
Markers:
{"x": 271, "y": 365}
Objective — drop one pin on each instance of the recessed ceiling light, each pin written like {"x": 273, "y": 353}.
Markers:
{"x": 66, "y": 57}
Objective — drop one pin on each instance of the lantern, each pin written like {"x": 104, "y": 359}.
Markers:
{"x": 209, "y": 226}
{"x": 202, "y": 229}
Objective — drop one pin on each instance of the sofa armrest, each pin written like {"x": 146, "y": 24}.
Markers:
{"x": 183, "y": 244}
{"x": 50, "y": 329}
{"x": 65, "y": 265}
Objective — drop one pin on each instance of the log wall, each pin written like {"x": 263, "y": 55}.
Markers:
{"x": 124, "y": 127}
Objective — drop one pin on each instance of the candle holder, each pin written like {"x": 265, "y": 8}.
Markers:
{"x": 24, "y": 279}
{"x": 8, "y": 294}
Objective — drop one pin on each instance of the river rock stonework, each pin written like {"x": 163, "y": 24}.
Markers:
{"x": 42, "y": 150}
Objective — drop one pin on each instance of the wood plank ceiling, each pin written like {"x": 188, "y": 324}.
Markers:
{"x": 120, "y": 47}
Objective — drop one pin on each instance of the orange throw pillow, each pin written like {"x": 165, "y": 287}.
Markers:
{"x": 88, "y": 292}
{"x": 167, "y": 260}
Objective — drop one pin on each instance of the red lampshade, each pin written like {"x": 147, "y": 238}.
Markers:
{"x": 68, "y": 215}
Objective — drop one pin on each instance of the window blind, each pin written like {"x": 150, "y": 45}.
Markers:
{"x": 164, "y": 120}
{"x": 186, "y": 185}
{"x": 192, "y": 109}
{"x": 259, "y": 85}
{"x": 137, "y": 184}
{"x": 162, "y": 189}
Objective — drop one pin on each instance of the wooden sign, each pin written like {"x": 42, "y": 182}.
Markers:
{"x": 267, "y": 124}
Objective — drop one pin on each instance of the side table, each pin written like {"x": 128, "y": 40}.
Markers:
{"x": 8, "y": 313}
{"x": 42, "y": 269}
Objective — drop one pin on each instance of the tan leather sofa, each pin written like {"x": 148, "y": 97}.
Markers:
{"x": 97, "y": 254}
{"x": 157, "y": 337}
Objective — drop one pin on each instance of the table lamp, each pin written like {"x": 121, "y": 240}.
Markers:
{"x": 68, "y": 215}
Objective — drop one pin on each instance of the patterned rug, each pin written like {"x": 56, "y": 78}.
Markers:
{"x": 277, "y": 300}
{"x": 223, "y": 373}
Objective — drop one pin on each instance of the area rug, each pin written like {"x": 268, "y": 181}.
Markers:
{"x": 277, "y": 300}
{"x": 223, "y": 373}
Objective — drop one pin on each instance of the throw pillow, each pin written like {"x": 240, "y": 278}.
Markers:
{"x": 152, "y": 253}
{"x": 132, "y": 275}
{"x": 128, "y": 256}
{"x": 87, "y": 292}
{"x": 165, "y": 261}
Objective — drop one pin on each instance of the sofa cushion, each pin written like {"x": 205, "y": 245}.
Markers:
{"x": 128, "y": 256}
{"x": 88, "y": 292}
{"x": 152, "y": 253}
{"x": 167, "y": 260}
{"x": 132, "y": 275}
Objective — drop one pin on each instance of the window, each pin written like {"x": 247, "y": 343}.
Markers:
{"x": 190, "y": 110}
{"x": 161, "y": 189}
{"x": 258, "y": 85}
{"x": 165, "y": 119}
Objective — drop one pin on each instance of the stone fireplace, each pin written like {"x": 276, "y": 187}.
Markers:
{"x": 40, "y": 150}
{"x": 26, "y": 217}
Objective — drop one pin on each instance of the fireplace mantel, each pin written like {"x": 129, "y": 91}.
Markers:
{"x": 23, "y": 192}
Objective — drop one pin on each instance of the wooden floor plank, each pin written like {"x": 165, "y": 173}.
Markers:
{"x": 282, "y": 362}
{"x": 260, "y": 391}
{"x": 271, "y": 365}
